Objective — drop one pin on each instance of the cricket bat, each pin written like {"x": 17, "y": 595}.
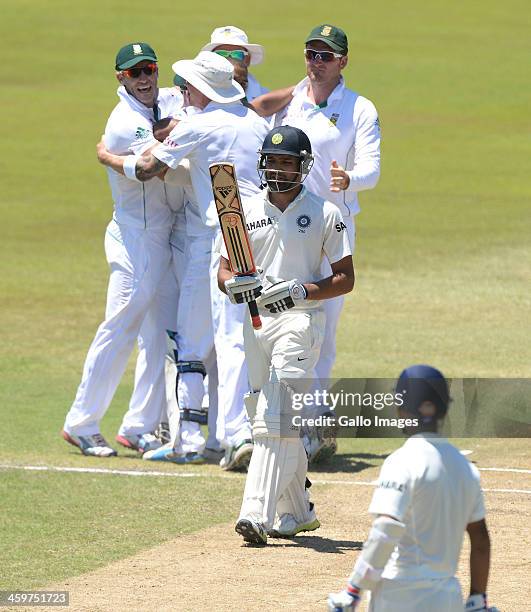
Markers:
{"x": 233, "y": 227}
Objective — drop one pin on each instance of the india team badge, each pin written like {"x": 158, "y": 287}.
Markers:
{"x": 304, "y": 222}
{"x": 277, "y": 138}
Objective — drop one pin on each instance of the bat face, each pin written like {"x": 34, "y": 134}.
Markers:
{"x": 233, "y": 228}
{"x": 231, "y": 218}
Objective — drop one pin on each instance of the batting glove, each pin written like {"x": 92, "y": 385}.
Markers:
{"x": 478, "y": 603}
{"x": 245, "y": 288}
{"x": 344, "y": 601}
{"x": 282, "y": 296}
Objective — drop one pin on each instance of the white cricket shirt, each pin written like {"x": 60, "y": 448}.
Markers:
{"x": 221, "y": 133}
{"x": 130, "y": 130}
{"x": 345, "y": 129}
{"x": 292, "y": 244}
{"x": 428, "y": 485}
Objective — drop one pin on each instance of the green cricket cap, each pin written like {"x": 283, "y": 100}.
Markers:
{"x": 334, "y": 37}
{"x": 179, "y": 81}
{"x": 133, "y": 53}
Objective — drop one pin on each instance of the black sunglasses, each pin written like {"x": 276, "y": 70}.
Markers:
{"x": 320, "y": 56}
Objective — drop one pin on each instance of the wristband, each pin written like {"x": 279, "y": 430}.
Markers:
{"x": 130, "y": 167}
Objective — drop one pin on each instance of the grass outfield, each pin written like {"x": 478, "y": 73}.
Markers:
{"x": 442, "y": 249}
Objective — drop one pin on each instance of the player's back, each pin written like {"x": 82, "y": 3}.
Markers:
{"x": 440, "y": 495}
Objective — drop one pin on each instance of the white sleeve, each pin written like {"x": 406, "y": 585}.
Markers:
{"x": 336, "y": 244}
{"x": 478, "y": 510}
{"x": 393, "y": 491}
{"x": 143, "y": 138}
{"x": 366, "y": 148}
{"x": 181, "y": 142}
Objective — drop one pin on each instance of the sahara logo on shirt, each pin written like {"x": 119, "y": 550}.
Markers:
{"x": 252, "y": 225}
{"x": 303, "y": 221}
{"x": 391, "y": 484}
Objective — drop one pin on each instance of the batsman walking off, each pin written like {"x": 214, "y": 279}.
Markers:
{"x": 290, "y": 230}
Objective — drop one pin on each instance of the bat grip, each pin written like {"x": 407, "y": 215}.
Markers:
{"x": 255, "y": 317}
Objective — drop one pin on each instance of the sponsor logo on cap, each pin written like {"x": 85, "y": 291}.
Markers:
{"x": 326, "y": 30}
{"x": 137, "y": 49}
{"x": 277, "y": 138}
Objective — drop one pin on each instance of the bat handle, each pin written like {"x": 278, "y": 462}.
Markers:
{"x": 255, "y": 317}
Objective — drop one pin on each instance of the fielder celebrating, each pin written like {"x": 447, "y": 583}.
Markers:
{"x": 224, "y": 130}
{"x": 233, "y": 44}
{"x": 427, "y": 495}
{"x": 138, "y": 252}
{"x": 344, "y": 130}
{"x": 290, "y": 231}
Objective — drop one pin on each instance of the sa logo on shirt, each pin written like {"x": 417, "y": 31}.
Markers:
{"x": 340, "y": 227}
{"x": 304, "y": 222}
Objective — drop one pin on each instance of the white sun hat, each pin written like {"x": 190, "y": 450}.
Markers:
{"x": 212, "y": 75}
{"x": 231, "y": 35}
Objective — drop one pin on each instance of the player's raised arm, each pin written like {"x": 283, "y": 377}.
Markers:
{"x": 273, "y": 101}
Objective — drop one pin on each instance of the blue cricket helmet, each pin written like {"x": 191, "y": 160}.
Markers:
{"x": 423, "y": 383}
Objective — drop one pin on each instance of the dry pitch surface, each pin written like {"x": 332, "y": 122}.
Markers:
{"x": 213, "y": 569}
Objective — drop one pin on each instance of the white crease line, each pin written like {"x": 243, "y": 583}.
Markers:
{"x": 361, "y": 483}
{"x": 515, "y": 470}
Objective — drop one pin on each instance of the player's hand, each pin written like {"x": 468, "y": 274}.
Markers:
{"x": 101, "y": 151}
{"x": 245, "y": 288}
{"x": 478, "y": 603}
{"x": 339, "y": 179}
{"x": 282, "y": 295}
{"x": 343, "y": 601}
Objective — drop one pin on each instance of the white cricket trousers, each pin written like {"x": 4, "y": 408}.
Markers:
{"x": 333, "y": 308}
{"x": 419, "y": 596}
{"x": 195, "y": 334}
{"x": 233, "y": 426}
{"x": 139, "y": 262}
{"x": 286, "y": 350}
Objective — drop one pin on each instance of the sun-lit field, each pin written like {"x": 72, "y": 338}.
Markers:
{"x": 443, "y": 276}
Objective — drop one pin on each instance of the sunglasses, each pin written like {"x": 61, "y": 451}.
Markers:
{"x": 237, "y": 55}
{"x": 313, "y": 55}
{"x": 136, "y": 71}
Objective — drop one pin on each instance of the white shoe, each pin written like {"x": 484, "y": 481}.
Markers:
{"x": 140, "y": 442}
{"x": 237, "y": 457}
{"x": 287, "y": 525}
{"x": 93, "y": 446}
{"x": 251, "y": 531}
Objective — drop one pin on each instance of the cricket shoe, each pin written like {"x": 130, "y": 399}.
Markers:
{"x": 287, "y": 525}
{"x": 251, "y": 531}
{"x": 92, "y": 446}
{"x": 213, "y": 454}
{"x": 163, "y": 432}
{"x": 168, "y": 454}
{"x": 237, "y": 457}
{"x": 139, "y": 442}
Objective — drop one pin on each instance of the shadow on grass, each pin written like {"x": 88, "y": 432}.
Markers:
{"x": 348, "y": 462}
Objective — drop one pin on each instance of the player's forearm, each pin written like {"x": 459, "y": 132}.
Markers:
{"x": 273, "y": 101}
{"x": 479, "y": 567}
{"x": 115, "y": 162}
{"x": 339, "y": 283}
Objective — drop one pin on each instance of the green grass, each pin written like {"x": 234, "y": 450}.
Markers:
{"x": 442, "y": 248}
